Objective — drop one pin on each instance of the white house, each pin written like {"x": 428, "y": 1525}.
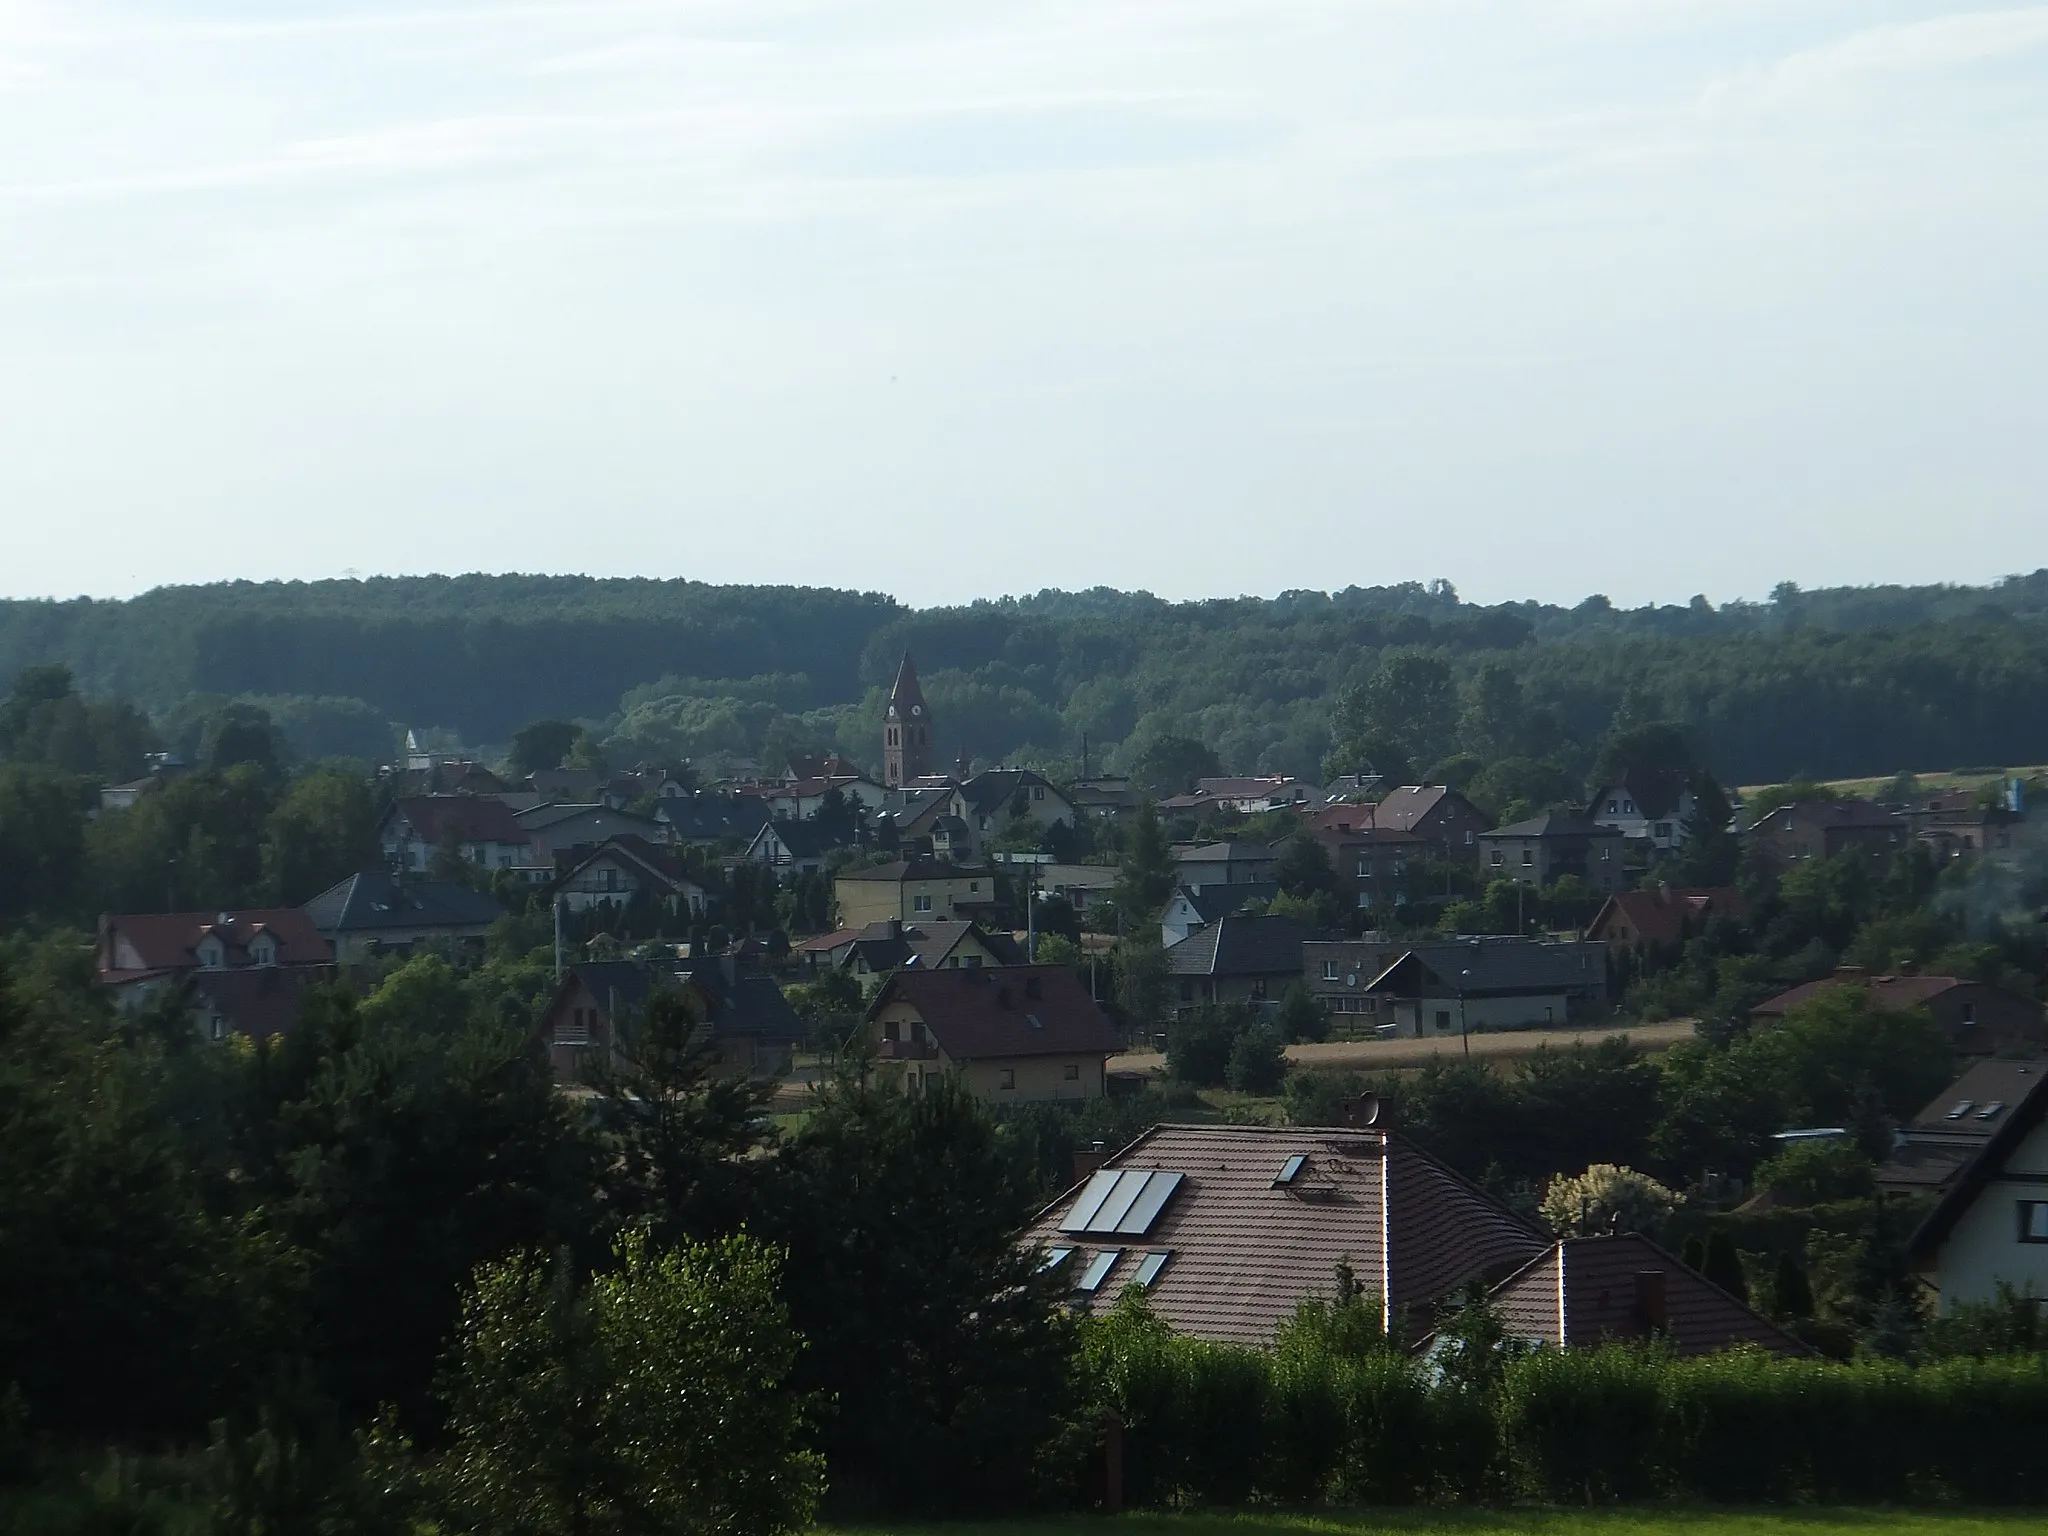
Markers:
{"x": 1646, "y": 808}
{"x": 1991, "y": 1226}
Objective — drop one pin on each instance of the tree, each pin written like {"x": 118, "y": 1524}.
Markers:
{"x": 1301, "y": 1017}
{"x": 930, "y": 1329}
{"x": 42, "y": 844}
{"x": 1142, "y": 977}
{"x": 1648, "y": 749}
{"x": 542, "y": 745}
{"x": 651, "y": 1398}
{"x": 680, "y": 1138}
{"x": 1304, "y": 869}
{"x": 1258, "y": 1062}
{"x": 1148, "y": 875}
{"x": 1711, "y": 852}
{"x": 1199, "y": 1043}
{"x": 242, "y": 735}
{"x": 1409, "y": 703}
{"x": 1169, "y": 765}
{"x": 324, "y": 830}
{"x": 1723, "y": 1265}
{"x": 1605, "y": 1198}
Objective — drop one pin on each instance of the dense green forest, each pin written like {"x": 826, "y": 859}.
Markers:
{"x": 1834, "y": 682}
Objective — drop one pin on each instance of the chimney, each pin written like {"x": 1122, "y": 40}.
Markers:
{"x": 1650, "y": 1311}
{"x": 895, "y": 927}
{"x": 1087, "y": 1159}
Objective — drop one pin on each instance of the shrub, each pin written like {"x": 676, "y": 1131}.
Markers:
{"x": 1604, "y": 1196}
{"x": 1258, "y": 1062}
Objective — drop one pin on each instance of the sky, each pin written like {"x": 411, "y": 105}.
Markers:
{"x": 1209, "y": 297}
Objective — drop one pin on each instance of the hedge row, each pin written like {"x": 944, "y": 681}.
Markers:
{"x": 1325, "y": 1417}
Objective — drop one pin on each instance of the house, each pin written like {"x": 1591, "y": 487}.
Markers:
{"x": 1228, "y": 1228}
{"x": 1110, "y": 799}
{"x": 1237, "y": 959}
{"x": 907, "y": 753}
{"x": 1647, "y": 808}
{"x": 242, "y": 973}
{"x": 1189, "y": 911}
{"x": 1979, "y": 1019}
{"x": 1015, "y": 1034}
{"x": 1546, "y": 848}
{"x": 1583, "y": 1292}
{"x": 1990, "y": 1226}
{"x": 135, "y": 953}
{"x": 933, "y": 945}
{"x": 1464, "y": 986}
{"x": 741, "y": 1014}
{"x": 823, "y": 952}
{"x": 802, "y": 799}
{"x": 1950, "y": 1134}
{"x": 911, "y": 890}
{"x": 376, "y": 913}
{"x": 1339, "y": 974}
{"x": 1381, "y": 865}
{"x": 1434, "y": 812}
{"x": 994, "y": 796}
{"x": 1663, "y": 916}
{"x": 1226, "y": 863}
{"x": 578, "y": 786}
{"x": 565, "y": 829}
{"x": 1080, "y": 886}
{"x": 628, "y": 868}
{"x": 482, "y": 831}
{"x": 1821, "y": 829}
{"x": 795, "y": 847}
{"x": 1955, "y": 825}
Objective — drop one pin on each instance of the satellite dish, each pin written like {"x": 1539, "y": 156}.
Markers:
{"x": 1365, "y": 1109}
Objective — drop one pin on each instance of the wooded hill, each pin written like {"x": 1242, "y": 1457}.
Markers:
{"x": 1833, "y": 682}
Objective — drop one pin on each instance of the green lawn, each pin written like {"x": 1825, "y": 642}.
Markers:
{"x": 1515, "y": 1522}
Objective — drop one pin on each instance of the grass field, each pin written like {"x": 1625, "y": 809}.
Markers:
{"x": 1931, "y": 783}
{"x": 1503, "y": 1522}
{"x": 1405, "y": 1055}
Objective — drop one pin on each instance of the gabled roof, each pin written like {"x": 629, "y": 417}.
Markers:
{"x": 1834, "y": 813}
{"x": 994, "y": 788}
{"x": 929, "y": 940}
{"x": 1585, "y": 1290}
{"x": 1492, "y": 967}
{"x": 1254, "y": 788}
{"x": 469, "y": 818}
{"x": 1010, "y": 1011}
{"x": 566, "y": 783}
{"x": 803, "y": 839}
{"x": 1404, "y": 808}
{"x": 1216, "y": 901}
{"x": 373, "y": 900}
{"x": 1885, "y": 991}
{"x": 1655, "y": 794}
{"x": 1553, "y": 824}
{"x": 629, "y": 848}
{"x": 1956, "y": 1127}
{"x": 169, "y": 941}
{"x": 1241, "y": 946}
{"x": 739, "y": 1002}
{"x": 2009, "y": 1132}
{"x": 1235, "y": 851}
{"x": 1245, "y": 1248}
{"x": 1667, "y": 914}
{"x": 705, "y": 818}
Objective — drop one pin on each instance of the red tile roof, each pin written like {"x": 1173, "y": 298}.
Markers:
{"x": 473, "y": 818}
{"x": 1245, "y": 1250}
{"x": 991, "y": 1013}
{"x": 1665, "y": 915}
{"x": 1598, "y": 1297}
{"x": 139, "y": 943}
{"x": 1885, "y": 991}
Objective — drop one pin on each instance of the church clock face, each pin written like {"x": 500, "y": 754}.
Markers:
{"x": 917, "y": 709}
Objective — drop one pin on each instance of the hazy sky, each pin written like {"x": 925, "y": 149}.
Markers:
{"x": 951, "y": 298}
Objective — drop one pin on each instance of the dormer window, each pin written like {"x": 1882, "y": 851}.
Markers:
{"x": 263, "y": 951}
{"x": 212, "y": 955}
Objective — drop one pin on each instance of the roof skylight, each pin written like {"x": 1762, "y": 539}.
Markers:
{"x": 1148, "y": 1270}
{"x": 1098, "y": 1271}
{"x": 1290, "y": 1170}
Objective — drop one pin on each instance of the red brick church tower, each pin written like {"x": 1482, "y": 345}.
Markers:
{"x": 906, "y": 730}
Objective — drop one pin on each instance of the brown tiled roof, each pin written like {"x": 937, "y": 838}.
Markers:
{"x": 1666, "y": 914}
{"x": 1245, "y": 1251}
{"x": 992, "y": 1013}
{"x": 1402, "y": 808}
{"x": 1885, "y": 991}
{"x": 472, "y": 818}
{"x": 1597, "y": 1295}
{"x": 169, "y": 941}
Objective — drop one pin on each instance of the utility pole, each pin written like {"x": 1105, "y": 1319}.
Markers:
{"x": 558, "y": 936}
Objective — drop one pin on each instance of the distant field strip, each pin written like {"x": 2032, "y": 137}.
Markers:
{"x": 1396, "y": 1055}
{"x": 1501, "y": 1522}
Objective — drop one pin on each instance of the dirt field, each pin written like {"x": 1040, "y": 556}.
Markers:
{"x": 1394, "y": 1055}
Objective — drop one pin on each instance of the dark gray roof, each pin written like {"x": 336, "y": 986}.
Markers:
{"x": 994, "y": 788}
{"x": 1504, "y": 967}
{"x": 806, "y": 839}
{"x": 373, "y": 900}
{"x": 1214, "y": 901}
{"x": 1241, "y": 946}
{"x": 742, "y": 1003}
{"x": 705, "y": 818}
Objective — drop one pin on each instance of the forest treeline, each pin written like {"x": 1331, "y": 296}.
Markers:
{"x": 1833, "y": 682}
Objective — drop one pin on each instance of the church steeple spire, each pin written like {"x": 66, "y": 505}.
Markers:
{"x": 906, "y": 729}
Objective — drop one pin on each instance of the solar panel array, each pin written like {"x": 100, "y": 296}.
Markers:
{"x": 1122, "y": 1202}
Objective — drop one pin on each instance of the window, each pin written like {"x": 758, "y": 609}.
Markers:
{"x": 2034, "y": 1221}
{"x": 1628, "y": 807}
{"x": 263, "y": 952}
{"x": 1098, "y": 1270}
{"x": 1038, "y": 791}
{"x": 1549, "y": 1016}
{"x": 574, "y": 1030}
{"x": 1148, "y": 1271}
{"x": 1365, "y": 898}
{"x": 1007, "y": 1079}
{"x": 1610, "y": 807}
{"x": 1468, "y": 837}
{"x": 1499, "y": 858}
{"x": 1329, "y": 970}
{"x": 970, "y": 962}
{"x": 1663, "y": 829}
{"x": 1071, "y": 1072}
{"x": 1606, "y": 854}
{"x": 890, "y": 1032}
{"x": 217, "y": 1029}
{"x": 1258, "y": 989}
{"x": 1528, "y": 856}
{"x": 920, "y": 903}
{"x": 974, "y": 887}
{"x": 210, "y": 955}
{"x": 1365, "y": 869}
{"x": 1969, "y": 1013}
{"x": 1443, "y": 1018}
{"x": 1187, "y": 989}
